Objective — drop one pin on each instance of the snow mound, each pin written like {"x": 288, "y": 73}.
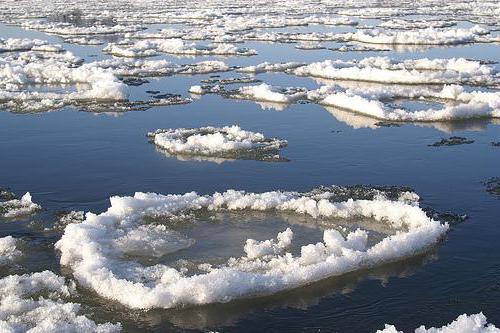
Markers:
{"x": 90, "y": 248}
{"x": 229, "y": 141}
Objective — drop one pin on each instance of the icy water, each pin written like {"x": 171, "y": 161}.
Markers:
{"x": 73, "y": 160}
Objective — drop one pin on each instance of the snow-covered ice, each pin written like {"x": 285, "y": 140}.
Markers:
{"x": 18, "y": 207}
{"x": 35, "y": 303}
{"x": 90, "y": 250}
{"x": 475, "y": 323}
{"x": 228, "y": 141}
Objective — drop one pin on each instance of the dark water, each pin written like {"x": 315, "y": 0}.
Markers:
{"x": 72, "y": 160}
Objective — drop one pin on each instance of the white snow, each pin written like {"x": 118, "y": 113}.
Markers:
{"x": 419, "y": 71}
{"x": 8, "y": 250}
{"x": 266, "y": 93}
{"x": 87, "y": 248}
{"x": 18, "y": 207}
{"x": 475, "y": 323}
{"x": 34, "y": 303}
{"x": 208, "y": 141}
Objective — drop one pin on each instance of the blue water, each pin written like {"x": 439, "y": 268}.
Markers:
{"x": 73, "y": 160}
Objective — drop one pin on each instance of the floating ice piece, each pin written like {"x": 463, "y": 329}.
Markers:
{"x": 8, "y": 250}
{"x": 416, "y": 24}
{"x": 310, "y": 46}
{"x": 229, "y": 141}
{"x": 146, "y": 68}
{"x": 467, "y": 105}
{"x": 65, "y": 29}
{"x": 267, "y": 93}
{"x": 87, "y": 248}
{"x": 33, "y": 303}
{"x": 18, "y": 207}
{"x": 269, "y": 67}
{"x": 475, "y": 323}
{"x": 147, "y": 48}
{"x": 419, "y": 71}
{"x": 429, "y": 36}
{"x": 25, "y": 44}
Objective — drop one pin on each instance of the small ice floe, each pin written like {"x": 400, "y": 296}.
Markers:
{"x": 229, "y": 80}
{"x": 25, "y": 44}
{"x": 270, "y": 67}
{"x": 452, "y": 141}
{"x": 151, "y": 68}
{"x": 475, "y": 323}
{"x": 493, "y": 186}
{"x": 18, "y": 207}
{"x": 229, "y": 142}
{"x": 35, "y": 303}
{"x": 68, "y": 29}
{"x": 412, "y": 24}
{"x": 267, "y": 93}
{"x": 103, "y": 243}
{"x": 8, "y": 250}
{"x": 414, "y": 71}
{"x": 458, "y": 104}
{"x": 84, "y": 41}
{"x": 310, "y": 46}
{"x": 428, "y": 36}
{"x": 147, "y": 48}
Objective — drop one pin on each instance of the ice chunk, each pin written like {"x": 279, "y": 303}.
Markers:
{"x": 229, "y": 141}
{"x": 18, "y": 207}
{"x": 475, "y": 323}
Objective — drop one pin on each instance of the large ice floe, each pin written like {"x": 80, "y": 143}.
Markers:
{"x": 475, "y": 323}
{"x": 35, "y": 303}
{"x": 411, "y": 71}
{"x": 99, "y": 262}
{"x": 229, "y": 142}
{"x": 18, "y": 207}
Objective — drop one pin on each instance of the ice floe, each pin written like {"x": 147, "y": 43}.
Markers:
{"x": 225, "y": 142}
{"x": 147, "y": 48}
{"x": 34, "y": 303}
{"x": 475, "y": 323}
{"x": 90, "y": 250}
{"x": 18, "y": 207}
{"x": 418, "y": 71}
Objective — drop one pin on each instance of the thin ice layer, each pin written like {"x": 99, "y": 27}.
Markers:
{"x": 88, "y": 248}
